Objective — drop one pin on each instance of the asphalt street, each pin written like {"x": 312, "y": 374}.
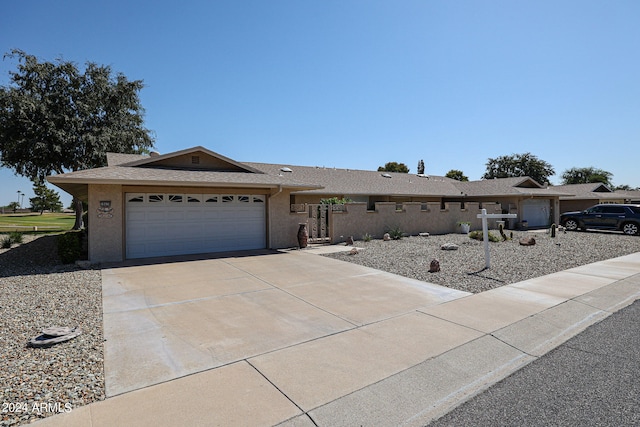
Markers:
{"x": 591, "y": 380}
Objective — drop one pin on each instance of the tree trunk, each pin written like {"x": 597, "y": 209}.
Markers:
{"x": 77, "y": 205}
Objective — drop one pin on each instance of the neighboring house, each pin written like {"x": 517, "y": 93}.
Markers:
{"x": 198, "y": 201}
{"x": 632, "y": 197}
{"x": 581, "y": 196}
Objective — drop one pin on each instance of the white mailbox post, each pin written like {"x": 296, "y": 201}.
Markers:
{"x": 485, "y": 232}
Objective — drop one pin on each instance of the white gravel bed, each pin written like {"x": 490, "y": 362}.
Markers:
{"x": 37, "y": 292}
{"x": 463, "y": 269}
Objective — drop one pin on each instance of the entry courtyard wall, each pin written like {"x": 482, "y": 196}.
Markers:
{"x": 410, "y": 217}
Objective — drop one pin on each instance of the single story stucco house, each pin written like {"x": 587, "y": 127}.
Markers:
{"x": 198, "y": 201}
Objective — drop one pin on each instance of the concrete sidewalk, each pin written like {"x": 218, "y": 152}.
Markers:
{"x": 359, "y": 347}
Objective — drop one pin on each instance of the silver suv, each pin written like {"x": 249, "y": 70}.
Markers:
{"x": 625, "y": 218}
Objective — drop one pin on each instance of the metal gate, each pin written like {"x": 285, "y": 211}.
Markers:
{"x": 319, "y": 223}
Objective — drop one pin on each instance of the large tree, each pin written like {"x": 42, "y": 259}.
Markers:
{"x": 55, "y": 118}
{"x": 45, "y": 198}
{"x": 457, "y": 175}
{"x": 517, "y": 165}
{"x": 586, "y": 176}
{"x": 394, "y": 167}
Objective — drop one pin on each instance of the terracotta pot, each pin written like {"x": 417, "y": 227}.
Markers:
{"x": 303, "y": 236}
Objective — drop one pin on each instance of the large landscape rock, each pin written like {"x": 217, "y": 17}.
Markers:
{"x": 528, "y": 241}
{"x": 449, "y": 247}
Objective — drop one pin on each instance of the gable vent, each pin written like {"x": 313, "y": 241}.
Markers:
{"x": 195, "y": 160}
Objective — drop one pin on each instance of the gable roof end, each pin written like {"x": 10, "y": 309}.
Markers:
{"x": 160, "y": 159}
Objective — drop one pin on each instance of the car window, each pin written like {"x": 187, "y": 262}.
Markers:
{"x": 613, "y": 209}
{"x": 595, "y": 209}
{"x": 635, "y": 209}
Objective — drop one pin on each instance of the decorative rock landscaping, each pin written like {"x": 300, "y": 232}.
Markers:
{"x": 463, "y": 269}
{"x": 37, "y": 292}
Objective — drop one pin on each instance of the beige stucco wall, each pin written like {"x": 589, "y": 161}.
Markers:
{"x": 105, "y": 229}
{"x": 357, "y": 220}
{"x": 283, "y": 224}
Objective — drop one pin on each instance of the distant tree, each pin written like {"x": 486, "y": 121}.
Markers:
{"x": 457, "y": 175}
{"x": 421, "y": 167}
{"x": 45, "y": 199}
{"x": 55, "y": 118}
{"x": 517, "y": 165}
{"x": 625, "y": 187}
{"x": 586, "y": 176}
{"x": 13, "y": 206}
{"x": 394, "y": 167}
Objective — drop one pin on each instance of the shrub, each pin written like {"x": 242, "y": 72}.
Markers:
{"x": 16, "y": 237}
{"x": 395, "y": 233}
{"x": 69, "y": 247}
{"x": 367, "y": 237}
{"x": 6, "y": 242}
{"x": 478, "y": 235}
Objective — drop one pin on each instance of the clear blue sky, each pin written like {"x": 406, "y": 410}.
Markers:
{"x": 356, "y": 84}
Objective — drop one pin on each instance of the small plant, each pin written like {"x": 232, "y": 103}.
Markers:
{"x": 6, "y": 242}
{"x": 367, "y": 237}
{"x": 335, "y": 201}
{"x": 478, "y": 235}
{"x": 461, "y": 223}
{"x": 16, "y": 237}
{"x": 395, "y": 233}
{"x": 553, "y": 230}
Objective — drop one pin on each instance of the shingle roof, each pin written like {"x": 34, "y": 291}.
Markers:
{"x": 506, "y": 186}
{"x": 115, "y": 159}
{"x": 359, "y": 182}
{"x": 590, "y": 191}
{"x": 151, "y": 176}
{"x": 140, "y": 170}
{"x": 630, "y": 195}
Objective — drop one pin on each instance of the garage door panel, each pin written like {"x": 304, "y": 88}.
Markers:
{"x": 182, "y": 225}
{"x": 536, "y": 212}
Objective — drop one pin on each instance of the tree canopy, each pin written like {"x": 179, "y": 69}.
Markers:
{"x": 586, "y": 176}
{"x": 45, "y": 198}
{"x": 56, "y": 118}
{"x": 394, "y": 167}
{"x": 517, "y": 165}
{"x": 457, "y": 175}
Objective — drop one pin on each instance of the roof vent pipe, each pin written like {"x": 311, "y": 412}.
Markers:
{"x": 154, "y": 154}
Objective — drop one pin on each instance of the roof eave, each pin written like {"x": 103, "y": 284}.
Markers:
{"x": 66, "y": 181}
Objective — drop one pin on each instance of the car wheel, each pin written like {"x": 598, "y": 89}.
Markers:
{"x": 571, "y": 224}
{"x": 630, "y": 228}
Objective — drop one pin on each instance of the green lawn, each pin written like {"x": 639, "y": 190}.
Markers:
{"x": 47, "y": 222}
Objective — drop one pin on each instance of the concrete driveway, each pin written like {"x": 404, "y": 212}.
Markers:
{"x": 296, "y": 340}
{"x": 166, "y": 319}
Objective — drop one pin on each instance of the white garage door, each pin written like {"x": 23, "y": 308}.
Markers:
{"x": 536, "y": 212}
{"x": 160, "y": 224}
